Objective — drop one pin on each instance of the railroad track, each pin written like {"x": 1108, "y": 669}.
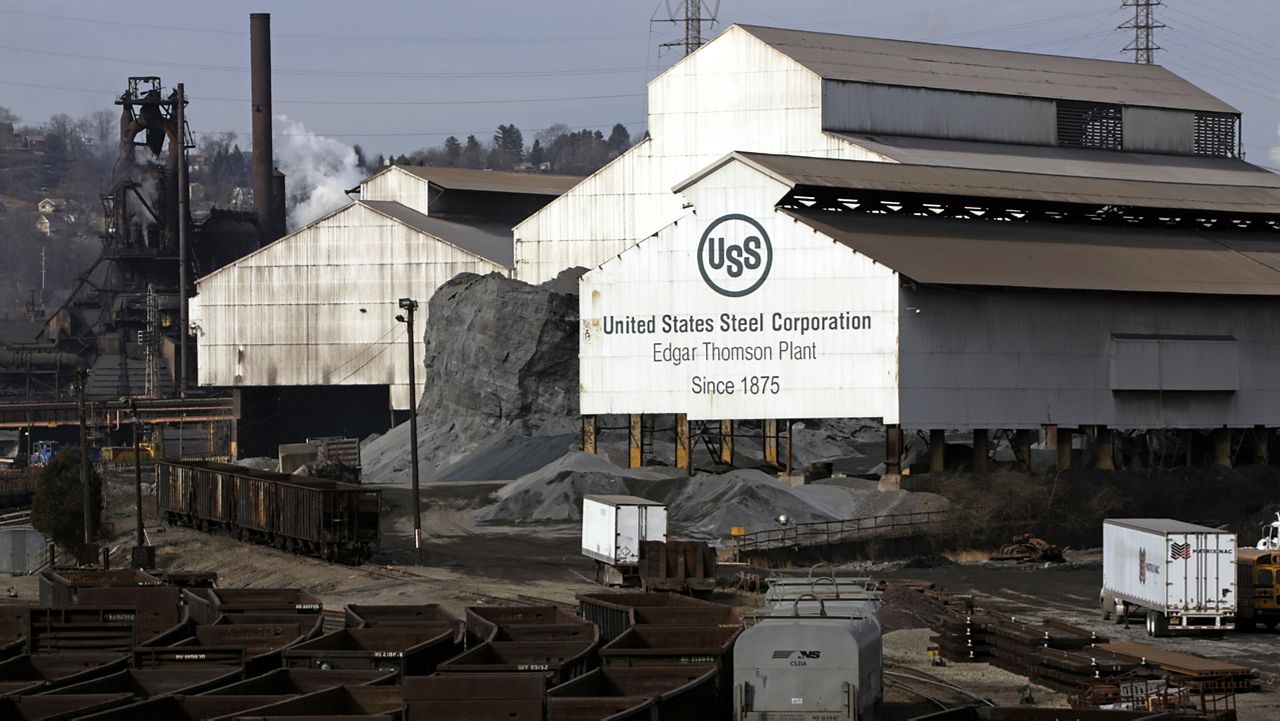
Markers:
{"x": 930, "y": 688}
{"x": 16, "y": 518}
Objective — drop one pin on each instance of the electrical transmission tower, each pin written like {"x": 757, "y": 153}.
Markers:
{"x": 1144, "y": 26}
{"x": 690, "y": 14}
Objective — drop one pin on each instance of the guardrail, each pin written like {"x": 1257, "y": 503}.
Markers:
{"x": 828, "y": 533}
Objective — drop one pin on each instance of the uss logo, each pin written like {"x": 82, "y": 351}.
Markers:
{"x": 735, "y": 255}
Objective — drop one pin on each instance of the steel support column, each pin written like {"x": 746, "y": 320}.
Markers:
{"x": 1261, "y": 445}
{"x": 937, "y": 450}
{"x": 979, "y": 450}
{"x": 892, "y": 449}
{"x": 635, "y": 441}
{"x": 769, "y": 439}
{"x": 726, "y": 442}
{"x": 1105, "y": 447}
{"x": 1064, "y": 436}
{"x": 683, "y": 450}
{"x": 1022, "y": 449}
{"x": 1222, "y": 447}
{"x": 588, "y": 434}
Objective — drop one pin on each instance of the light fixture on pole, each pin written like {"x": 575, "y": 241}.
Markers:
{"x": 409, "y": 305}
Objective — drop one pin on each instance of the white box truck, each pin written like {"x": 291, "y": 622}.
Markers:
{"x": 613, "y": 528}
{"x": 1181, "y": 574}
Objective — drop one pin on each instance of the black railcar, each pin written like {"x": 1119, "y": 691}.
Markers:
{"x": 296, "y": 513}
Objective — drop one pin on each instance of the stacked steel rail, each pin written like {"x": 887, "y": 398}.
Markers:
{"x": 1086, "y": 666}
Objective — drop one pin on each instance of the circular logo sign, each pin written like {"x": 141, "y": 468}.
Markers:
{"x": 735, "y": 255}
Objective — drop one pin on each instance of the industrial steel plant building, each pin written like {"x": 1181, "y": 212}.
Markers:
{"x": 941, "y": 238}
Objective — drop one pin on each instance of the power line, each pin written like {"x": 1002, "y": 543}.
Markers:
{"x": 434, "y": 39}
{"x": 299, "y": 101}
{"x": 326, "y": 73}
{"x": 1025, "y": 25}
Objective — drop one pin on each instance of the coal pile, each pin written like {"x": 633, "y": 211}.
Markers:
{"x": 501, "y": 366}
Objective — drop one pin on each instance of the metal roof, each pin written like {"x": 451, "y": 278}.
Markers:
{"x": 493, "y": 181}
{"x": 1074, "y": 257}
{"x": 1012, "y": 185}
{"x": 491, "y": 241}
{"x": 1162, "y": 525}
{"x": 617, "y": 500}
{"x": 1078, "y": 162}
{"x": 976, "y": 70}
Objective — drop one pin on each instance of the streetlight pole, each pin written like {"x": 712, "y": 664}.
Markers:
{"x": 410, "y": 305}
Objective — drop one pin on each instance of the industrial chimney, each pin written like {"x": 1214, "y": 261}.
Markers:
{"x": 270, "y": 223}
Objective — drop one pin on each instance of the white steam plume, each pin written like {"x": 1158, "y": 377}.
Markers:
{"x": 317, "y": 171}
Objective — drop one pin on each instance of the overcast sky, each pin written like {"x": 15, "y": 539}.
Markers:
{"x": 396, "y": 75}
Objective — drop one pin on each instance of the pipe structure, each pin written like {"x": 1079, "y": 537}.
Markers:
{"x": 184, "y": 242}
{"x": 260, "y": 73}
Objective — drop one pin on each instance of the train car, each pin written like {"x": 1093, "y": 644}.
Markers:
{"x": 17, "y": 488}
{"x": 296, "y": 513}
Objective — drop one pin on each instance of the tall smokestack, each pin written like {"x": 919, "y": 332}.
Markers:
{"x": 263, "y": 185}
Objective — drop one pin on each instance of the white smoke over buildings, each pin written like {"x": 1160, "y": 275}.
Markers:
{"x": 317, "y": 171}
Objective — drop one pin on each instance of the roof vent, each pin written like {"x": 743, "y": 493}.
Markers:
{"x": 1090, "y": 125}
{"x": 1215, "y": 134}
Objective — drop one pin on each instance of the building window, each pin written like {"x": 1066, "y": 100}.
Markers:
{"x": 1090, "y": 125}
{"x": 1215, "y": 134}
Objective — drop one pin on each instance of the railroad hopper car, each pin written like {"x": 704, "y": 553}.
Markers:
{"x": 17, "y": 488}
{"x": 295, "y": 513}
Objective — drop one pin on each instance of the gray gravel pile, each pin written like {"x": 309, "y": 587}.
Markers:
{"x": 501, "y": 365}
{"x": 554, "y": 492}
{"x": 703, "y": 506}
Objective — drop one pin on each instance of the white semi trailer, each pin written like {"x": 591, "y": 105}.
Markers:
{"x": 613, "y": 527}
{"x": 1182, "y": 575}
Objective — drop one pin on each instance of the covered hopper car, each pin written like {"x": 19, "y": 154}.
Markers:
{"x": 293, "y": 513}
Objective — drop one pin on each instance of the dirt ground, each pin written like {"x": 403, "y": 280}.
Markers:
{"x": 466, "y": 564}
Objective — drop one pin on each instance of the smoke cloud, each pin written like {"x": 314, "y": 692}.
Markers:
{"x": 317, "y": 171}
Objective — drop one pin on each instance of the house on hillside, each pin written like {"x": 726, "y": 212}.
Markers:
{"x": 49, "y": 206}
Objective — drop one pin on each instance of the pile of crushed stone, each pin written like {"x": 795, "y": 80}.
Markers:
{"x": 703, "y": 506}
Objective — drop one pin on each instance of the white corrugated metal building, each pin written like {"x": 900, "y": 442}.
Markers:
{"x": 803, "y": 93}
{"x": 1037, "y": 256}
{"x": 316, "y": 309}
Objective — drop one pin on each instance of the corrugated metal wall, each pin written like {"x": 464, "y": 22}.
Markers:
{"x": 1155, "y": 130}
{"x": 735, "y": 93}
{"x": 397, "y": 185}
{"x": 861, "y": 107}
{"x": 1021, "y": 358}
{"x": 319, "y": 306}
{"x": 818, "y": 373}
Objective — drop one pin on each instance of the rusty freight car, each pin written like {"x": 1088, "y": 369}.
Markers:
{"x": 294, "y": 513}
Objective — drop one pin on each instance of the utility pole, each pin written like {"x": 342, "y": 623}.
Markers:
{"x": 409, "y": 305}
{"x": 82, "y": 380}
{"x": 184, "y": 246}
{"x": 1144, "y": 26}
{"x": 690, "y": 14}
